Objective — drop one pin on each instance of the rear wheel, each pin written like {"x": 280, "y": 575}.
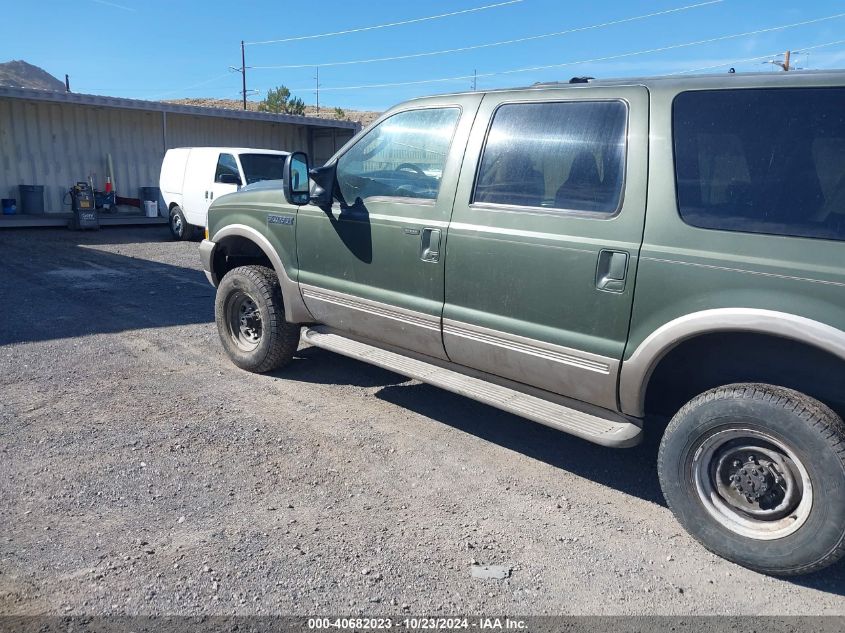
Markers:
{"x": 251, "y": 322}
{"x": 179, "y": 227}
{"x": 756, "y": 473}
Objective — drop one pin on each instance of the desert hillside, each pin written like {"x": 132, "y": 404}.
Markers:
{"x": 20, "y": 74}
{"x": 361, "y": 116}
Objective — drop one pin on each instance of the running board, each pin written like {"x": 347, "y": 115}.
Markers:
{"x": 617, "y": 433}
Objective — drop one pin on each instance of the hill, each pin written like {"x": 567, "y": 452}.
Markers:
{"x": 23, "y": 75}
{"x": 361, "y": 116}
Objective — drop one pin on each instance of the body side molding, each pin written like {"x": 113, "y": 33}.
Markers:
{"x": 637, "y": 370}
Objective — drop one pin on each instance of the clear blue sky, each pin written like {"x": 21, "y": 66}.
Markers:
{"x": 152, "y": 49}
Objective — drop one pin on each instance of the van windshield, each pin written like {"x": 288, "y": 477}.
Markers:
{"x": 258, "y": 167}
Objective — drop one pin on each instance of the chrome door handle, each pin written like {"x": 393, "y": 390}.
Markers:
{"x": 430, "y": 245}
{"x": 612, "y": 271}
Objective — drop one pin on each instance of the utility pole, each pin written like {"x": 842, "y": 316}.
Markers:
{"x": 243, "y": 71}
{"x": 786, "y": 64}
{"x": 474, "y": 79}
{"x": 67, "y": 83}
{"x": 317, "y": 77}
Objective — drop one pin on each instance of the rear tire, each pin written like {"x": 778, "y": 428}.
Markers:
{"x": 251, "y": 322}
{"x": 179, "y": 227}
{"x": 756, "y": 473}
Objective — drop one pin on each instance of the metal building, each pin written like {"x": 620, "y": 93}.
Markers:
{"x": 55, "y": 139}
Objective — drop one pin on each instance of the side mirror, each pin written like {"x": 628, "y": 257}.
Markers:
{"x": 229, "y": 179}
{"x": 297, "y": 185}
{"x": 325, "y": 186}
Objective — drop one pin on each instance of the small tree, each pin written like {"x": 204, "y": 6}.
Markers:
{"x": 340, "y": 114}
{"x": 278, "y": 101}
{"x": 296, "y": 106}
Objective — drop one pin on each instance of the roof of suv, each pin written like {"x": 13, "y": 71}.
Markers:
{"x": 712, "y": 80}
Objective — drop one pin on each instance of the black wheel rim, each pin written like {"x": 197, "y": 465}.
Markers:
{"x": 243, "y": 319}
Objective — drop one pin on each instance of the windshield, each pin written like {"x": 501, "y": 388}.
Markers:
{"x": 258, "y": 167}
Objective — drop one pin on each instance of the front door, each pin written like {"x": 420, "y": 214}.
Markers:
{"x": 543, "y": 246}
{"x": 226, "y": 164}
{"x": 373, "y": 265}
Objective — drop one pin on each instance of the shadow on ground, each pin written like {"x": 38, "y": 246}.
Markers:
{"x": 632, "y": 470}
{"x": 58, "y": 284}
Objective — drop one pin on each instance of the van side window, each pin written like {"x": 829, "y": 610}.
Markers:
{"x": 768, "y": 161}
{"x": 403, "y": 156}
{"x": 226, "y": 165}
{"x": 565, "y": 155}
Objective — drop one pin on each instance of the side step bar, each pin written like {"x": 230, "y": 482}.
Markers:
{"x": 617, "y": 433}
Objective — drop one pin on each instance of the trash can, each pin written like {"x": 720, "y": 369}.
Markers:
{"x": 32, "y": 198}
{"x": 9, "y": 206}
{"x": 150, "y": 193}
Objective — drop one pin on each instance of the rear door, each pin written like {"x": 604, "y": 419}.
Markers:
{"x": 543, "y": 245}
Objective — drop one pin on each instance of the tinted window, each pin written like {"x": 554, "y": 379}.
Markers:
{"x": 556, "y": 155}
{"x": 762, "y": 161}
{"x": 258, "y": 167}
{"x": 226, "y": 165}
{"x": 402, "y": 156}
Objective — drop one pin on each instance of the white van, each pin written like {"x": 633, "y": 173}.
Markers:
{"x": 192, "y": 177}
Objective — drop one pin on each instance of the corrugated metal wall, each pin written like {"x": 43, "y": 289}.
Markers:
{"x": 55, "y": 144}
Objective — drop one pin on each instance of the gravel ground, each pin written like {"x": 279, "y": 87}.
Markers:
{"x": 142, "y": 473}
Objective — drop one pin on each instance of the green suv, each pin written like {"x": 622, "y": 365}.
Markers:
{"x": 593, "y": 256}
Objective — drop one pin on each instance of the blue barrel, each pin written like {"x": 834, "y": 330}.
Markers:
{"x": 10, "y": 206}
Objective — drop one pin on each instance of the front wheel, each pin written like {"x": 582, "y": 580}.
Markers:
{"x": 756, "y": 473}
{"x": 251, "y": 322}
{"x": 179, "y": 227}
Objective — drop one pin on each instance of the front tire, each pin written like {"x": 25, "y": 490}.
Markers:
{"x": 756, "y": 473}
{"x": 251, "y": 322}
{"x": 179, "y": 227}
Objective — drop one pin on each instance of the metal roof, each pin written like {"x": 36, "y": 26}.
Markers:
{"x": 53, "y": 96}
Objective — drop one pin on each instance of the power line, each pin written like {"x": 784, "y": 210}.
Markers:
{"x": 192, "y": 86}
{"x": 388, "y": 25}
{"x": 588, "y": 61}
{"x": 492, "y": 44}
{"x": 754, "y": 59}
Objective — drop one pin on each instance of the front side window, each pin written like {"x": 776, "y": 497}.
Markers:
{"x": 258, "y": 167}
{"x": 403, "y": 156}
{"x": 566, "y": 155}
{"x": 226, "y": 165}
{"x": 768, "y": 161}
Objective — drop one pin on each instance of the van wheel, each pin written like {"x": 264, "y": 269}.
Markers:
{"x": 179, "y": 227}
{"x": 251, "y": 322}
{"x": 756, "y": 473}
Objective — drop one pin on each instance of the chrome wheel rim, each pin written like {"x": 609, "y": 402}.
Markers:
{"x": 177, "y": 224}
{"x": 244, "y": 321}
{"x": 752, "y": 483}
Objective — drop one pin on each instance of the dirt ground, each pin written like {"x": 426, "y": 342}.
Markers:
{"x": 142, "y": 473}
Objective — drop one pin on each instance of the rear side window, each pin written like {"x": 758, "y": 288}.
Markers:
{"x": 762, "y": 161}
{"x": 567, "y": 156}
